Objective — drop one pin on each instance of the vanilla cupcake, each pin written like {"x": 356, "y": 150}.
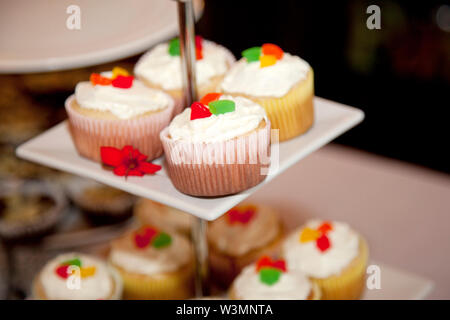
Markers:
{"x": 218, "y": 146}
{"x": 156, "y": 214}
{"x": 280, "y": 82}
{"x": 273, "y": 280}
{"x": 77, "y": 276}
{"x": 154, "y": 264}
{"x": 240, "y": 237}
{"x": 332, "y": 254}
{"x": 161, "y": 68}
{"x": 115, "y": 110}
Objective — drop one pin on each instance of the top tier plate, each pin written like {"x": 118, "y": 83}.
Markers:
{"x": 34, "y": 36}
{"x": 54, "y": 148}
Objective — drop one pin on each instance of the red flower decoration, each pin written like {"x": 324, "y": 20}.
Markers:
{"x": 127, "y": 161}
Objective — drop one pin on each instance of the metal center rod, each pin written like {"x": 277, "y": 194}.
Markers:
{"x": 186, "y": 22}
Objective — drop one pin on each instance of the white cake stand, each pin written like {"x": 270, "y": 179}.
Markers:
{"x": 55, "y": 148}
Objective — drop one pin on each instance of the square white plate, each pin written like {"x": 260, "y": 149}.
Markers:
{"x": 54, "y": 148}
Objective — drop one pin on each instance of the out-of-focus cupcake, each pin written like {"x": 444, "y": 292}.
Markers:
{"x": 280, "y": 82}
{"x": 218, "y": 146}
{"x": 77, "y": 276}
{"x": 154, "y": 264}
{"x": 273, "y": 280}
{"x": 163, "y": 217}
{"x": 101, "y": 203}
{"x": 240, "y": 237}
{"x": 161, "y": 68}
{"x": 116, "y": 110}
{"x": 332, "y": 254}
{"x": 29, "y": 209}
{"x": 4, "y": 278}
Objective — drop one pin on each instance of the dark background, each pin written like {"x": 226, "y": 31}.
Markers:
{"x": 398, "y": 75}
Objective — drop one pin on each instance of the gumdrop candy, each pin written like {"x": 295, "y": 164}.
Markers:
{"x": 323, "y": 243}
{"x": 267, "y": 61}
{"x": 118, "y": 71}
{"x": 62, "y": 271}
{"x": 96, "y": 78}
{"x": 269, "y": 276}
{"x": 325, "y": 227}
{"x": 221, "y": 106}
{"x": 309, "y": 234}
{"x": 199, "y": 42}
{"x": 252, "y": 54}
{"x": 207, "y": 98}
{"x": 73, "y": 262}
{"x": 273, "y": 50}
{"x": 264, "y": 261}
{"x": 123, "y": 82}
{"x": 162, "y": 240}
{"x": 88, "y": 271}
{"x": 174, "y": 47}
{"x": 199, "y": 110}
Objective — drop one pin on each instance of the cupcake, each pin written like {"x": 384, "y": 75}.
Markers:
{"x": 218, "y": 146}
{"x": 99, "y": 202}
{"x": 280, "y": 82}
{"x": 273, "y": 280}
{"x": 161, "y": 68}
{"x": 163, "y": 217}
{"x": 240, "y": 237}
{"x": 77, "y": 276}
{"x": 332, "y": 254}
{"x": 116, "y": 110}
{"x": 154, "y": 264}
{"x": 29, "y": 209}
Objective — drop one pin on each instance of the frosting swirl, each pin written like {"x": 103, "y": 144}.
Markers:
{"x": 292, "y": 285}
{"x": 238, "y": 239}
{"x": 150, "y": 260}
{"x": 246, "y": 117}
{"x": 98, "y": 286}
{"x": 158, "y": 67}
{"x": 272, "y": 81}
{"x": 307, "y": 258}
{"x": 122, "y": 103}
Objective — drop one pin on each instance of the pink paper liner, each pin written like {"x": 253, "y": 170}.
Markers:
{"x": 217, "y": 168}
{"x": 89, "y": 134}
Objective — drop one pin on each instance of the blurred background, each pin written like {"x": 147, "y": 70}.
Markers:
{"x": 398, "y": 75}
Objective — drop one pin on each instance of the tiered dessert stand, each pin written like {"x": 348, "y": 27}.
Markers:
{"x": 54, "y": 148}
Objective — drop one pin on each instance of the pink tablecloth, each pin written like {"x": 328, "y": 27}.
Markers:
{"x": 402, "y": 209}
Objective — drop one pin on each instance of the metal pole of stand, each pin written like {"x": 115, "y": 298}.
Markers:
{"x": 186, "y": 22}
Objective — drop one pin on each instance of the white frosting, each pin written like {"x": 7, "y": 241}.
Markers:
{"x": 307, "y": 258}
{"x": 123, "y": 103}
{"x": 159, "y": 67}
{"x": 246, "y": 117}
{"x": 150, "y": 261}
{"x": 272, "y": 81}
{"x": 292, "y": 285}
{"x": 98, "y": 286}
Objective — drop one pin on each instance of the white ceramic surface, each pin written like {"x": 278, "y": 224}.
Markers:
{"x": 54, "y": 148}
{"x": 34, "y": 36}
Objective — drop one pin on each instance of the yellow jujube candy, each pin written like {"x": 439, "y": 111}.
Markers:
{"x": 118, "y": 71}
{"x": 309, "y": 234}
{"x": 267, "y": 60}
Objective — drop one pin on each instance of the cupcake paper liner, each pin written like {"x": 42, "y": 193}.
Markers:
{"x": 13, "y": 231}
{"x": 89, "y": 134}
{"x": 292, "y": 114}
{"x": 349, "y": 284}
{"x": 218, "y": 168}
{"x": 166, "y": 286}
